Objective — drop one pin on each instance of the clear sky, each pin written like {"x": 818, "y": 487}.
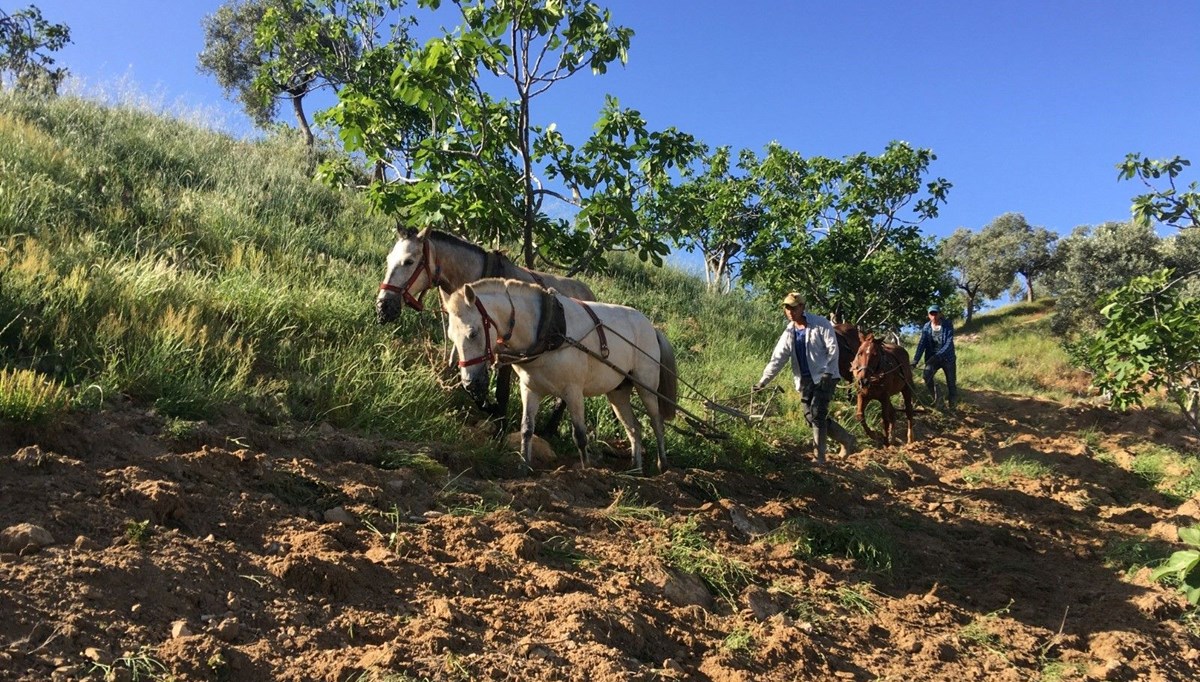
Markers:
{"x": 1028, "y": 104}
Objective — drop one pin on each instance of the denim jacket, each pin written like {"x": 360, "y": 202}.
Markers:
{"x": 936, "y": 350}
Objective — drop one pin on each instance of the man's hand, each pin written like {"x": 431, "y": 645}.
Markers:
{"x": 827, "y": 381}
{"x": 758, "y": 386}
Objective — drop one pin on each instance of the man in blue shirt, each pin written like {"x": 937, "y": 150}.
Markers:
{"x": 810, "y": 345}
{"x": 937, "y": 345}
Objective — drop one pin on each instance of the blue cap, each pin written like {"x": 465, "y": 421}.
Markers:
{"x": 933, "y": 308}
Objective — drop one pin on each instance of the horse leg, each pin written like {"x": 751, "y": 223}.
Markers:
{"x": 889, "y": 419}
{"x": 504, "y": 376}
{"x": 530, "y": 400}
{"x": 619, "y": 400}
{"x": 574, "y": 401}
{"x": 908, "y": 408}
{"x": 654, "y": 410}
{"x": 861, "y": 413}
{"x": 556, "y": 413}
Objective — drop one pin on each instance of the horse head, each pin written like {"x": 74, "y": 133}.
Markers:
{"x": 410, "y": 273}
{"x": 866, "y": 360}
{"x": 475, "y": 332}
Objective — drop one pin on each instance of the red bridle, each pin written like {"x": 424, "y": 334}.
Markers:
{"x": 488, "y": 324}
{"x": 410, "y": 300}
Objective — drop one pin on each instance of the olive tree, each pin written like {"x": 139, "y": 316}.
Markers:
{"x": 265, "y": 52}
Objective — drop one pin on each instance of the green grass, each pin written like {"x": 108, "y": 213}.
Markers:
{"x": 868, "y": 543}
{"x": 688, "y": 550}
{"x": 1175, "y": 475}
{"x": 1130, "y": 555}
{"x": 1012, "y": 350}
{"x": 1003, "y": 472}
{"x": 29, "y": 396}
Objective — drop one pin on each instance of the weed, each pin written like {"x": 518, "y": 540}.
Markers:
{"x": 1130, "y": 555}
{"x": 1183, "y": 567}
{"x": 425, "y": 466}
{"x": 977, "y": 633}
{"x": 626, "y": 507}
{"x": 137, "y": 532}
{"x": 563, "y": 549}
{"x": 1190, "y": 620}
{"x": 741, "y": 640}
{"x": 260, "y": 580}
{"x": 1054, "y": 671}
{"x": 689, "y": 551}
{"x": 1002, "y": 473}
{"x": 478, "y": 507}
{"x": 139, "y": 666}
{"x": 856, "y": 599}
{"x": 1092, "y": 440}
{"x": 868, "y": 543}
{"x": 392, "y": 522}
{"x": 181, "y": 429}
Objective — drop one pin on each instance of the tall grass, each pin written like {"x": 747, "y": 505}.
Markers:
{"x": 192, "y": 271}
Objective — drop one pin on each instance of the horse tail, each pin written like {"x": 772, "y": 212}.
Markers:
{"x": 668, "y": 378}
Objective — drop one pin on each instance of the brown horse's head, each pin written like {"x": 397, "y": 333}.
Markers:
{"x": 867, "y": 360}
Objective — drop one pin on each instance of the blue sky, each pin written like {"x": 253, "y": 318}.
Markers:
{"x": 1028, "y": 104}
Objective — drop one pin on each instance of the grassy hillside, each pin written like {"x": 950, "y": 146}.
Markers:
{"x": 148, "y": 259}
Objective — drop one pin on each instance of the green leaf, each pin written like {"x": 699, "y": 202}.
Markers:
{"x": 1190, "y": 535}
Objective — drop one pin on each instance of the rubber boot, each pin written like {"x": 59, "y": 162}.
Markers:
{"x": 821, "y": 436}
{"x": 844, "y": 438}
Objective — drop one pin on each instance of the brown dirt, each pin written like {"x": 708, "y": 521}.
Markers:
{"x": 243, "y": 566}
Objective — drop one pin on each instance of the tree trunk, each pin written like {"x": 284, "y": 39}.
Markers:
{"x": 970, "y": 308}
{"x": 527, "y": 223}
{"x": 1028, "y": 288}
{"x": 302, "y": 120}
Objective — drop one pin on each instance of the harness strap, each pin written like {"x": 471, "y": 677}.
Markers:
{"x": 551, "y": 332}
{"x": 599, "y": 327}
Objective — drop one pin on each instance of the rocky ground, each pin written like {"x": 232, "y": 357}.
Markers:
{"x": 135, "y": 549}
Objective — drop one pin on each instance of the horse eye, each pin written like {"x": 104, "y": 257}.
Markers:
{"x": 407, "y": 263}
{"x": 472, "y": 334}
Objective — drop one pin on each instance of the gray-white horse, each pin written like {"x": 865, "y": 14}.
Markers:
{"x": 566, "y": 348}
{"x": 420, "y": 261}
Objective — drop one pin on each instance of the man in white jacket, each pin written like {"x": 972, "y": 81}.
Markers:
{"x": 811, "y": 346}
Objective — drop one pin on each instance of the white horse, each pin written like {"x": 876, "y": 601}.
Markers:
{"x": 420, "y": 261}
{"x": 563, "y": 347}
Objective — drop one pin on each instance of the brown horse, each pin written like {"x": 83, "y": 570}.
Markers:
{"x": 882, "y": 370}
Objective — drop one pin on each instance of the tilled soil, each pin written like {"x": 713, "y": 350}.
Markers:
{"x": 234, "y": 553}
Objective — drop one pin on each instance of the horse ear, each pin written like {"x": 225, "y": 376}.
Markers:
{"x": 469, "y": 294}
{"x": 869, "y": 338}
{"x": 424, "y": 234}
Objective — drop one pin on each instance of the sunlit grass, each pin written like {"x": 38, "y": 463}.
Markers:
{"x": 28, "y": 396}
{"x": 1002, "y": 473}
{"x": 1013, "y": 351}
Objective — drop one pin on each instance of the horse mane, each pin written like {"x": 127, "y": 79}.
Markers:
{"x": 456, "y": 241}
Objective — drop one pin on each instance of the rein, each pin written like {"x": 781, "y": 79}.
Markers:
{"x": 433, "y": 275}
